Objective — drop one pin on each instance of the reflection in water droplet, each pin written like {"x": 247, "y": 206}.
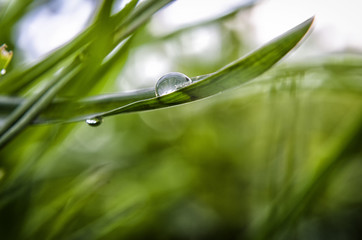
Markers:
{"x": 3, "y": 71}
{"x": 94, "y": 122}
{"x": 171, "y": 82}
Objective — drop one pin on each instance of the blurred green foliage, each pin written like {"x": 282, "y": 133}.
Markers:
{"x": 279, "y": 158}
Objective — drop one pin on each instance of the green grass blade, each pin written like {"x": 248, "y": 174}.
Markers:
{"x": 18, "y": 80}
{"x": 333, "y": 158}
{"x": 138, "y": 17}
{"x": 232, "y": 75}
{"x": 28, "y": 110}
{"x": 121, "y": 15}
{"x": 15, "y": 81}
{"x": 5, "y": 57}
{"x": 228, "y": 77}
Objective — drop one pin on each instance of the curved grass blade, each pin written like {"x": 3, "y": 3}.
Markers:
{"x": 228, "y": 77}
{"x": 232, "y": 75}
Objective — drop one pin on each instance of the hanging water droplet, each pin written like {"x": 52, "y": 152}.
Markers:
{"x": 171, "y": 82}
{"x": 3, "y": 71}
{"x": 94, "y": 122}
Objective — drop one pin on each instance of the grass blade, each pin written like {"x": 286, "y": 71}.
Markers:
{"x": 232, "y": 75}
{"x": 18, "y": 80}
{"x": 333, "y": 158}
{"x": 228, "y": 77}
{"x": 27, "y": 111}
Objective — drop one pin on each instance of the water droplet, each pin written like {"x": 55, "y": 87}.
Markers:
{"x": 94, "y": 122}
{"x": 3, "y": 71}
{"x": 171, "y": 82}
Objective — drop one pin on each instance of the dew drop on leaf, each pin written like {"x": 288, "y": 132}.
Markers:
{"x": 3, "y": 71}
{"x": 94, "y": 122}
{"x": 171, "y": 82}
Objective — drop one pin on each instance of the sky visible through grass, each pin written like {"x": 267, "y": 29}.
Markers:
{"x": 335, "y": 26}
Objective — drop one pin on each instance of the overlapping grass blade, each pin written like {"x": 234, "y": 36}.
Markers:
{"x": 125, "y": 23}
{"x": 30, "y": 108}
{"x": 138, "y": 17}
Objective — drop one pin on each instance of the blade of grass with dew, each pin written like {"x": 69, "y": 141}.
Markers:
{"x": 228, "y": 77}
{"x": 350, "y": 65}
{"x": 232, "y": 75}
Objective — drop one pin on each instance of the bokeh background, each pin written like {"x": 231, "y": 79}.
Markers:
{"x": 278, "y": 158}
